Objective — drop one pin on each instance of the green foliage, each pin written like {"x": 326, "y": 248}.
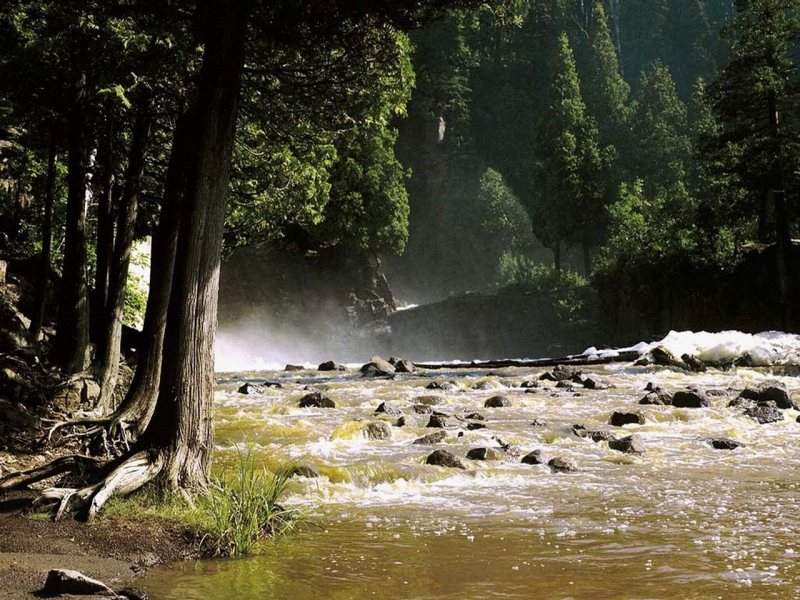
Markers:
{"x": 137, "y": 287}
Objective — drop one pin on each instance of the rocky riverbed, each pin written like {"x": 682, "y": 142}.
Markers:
{"x": 619, "y": 481}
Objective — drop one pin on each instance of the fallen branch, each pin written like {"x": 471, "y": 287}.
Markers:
{"x": 572, "y": 359}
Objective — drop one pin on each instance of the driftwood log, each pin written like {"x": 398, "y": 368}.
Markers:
{"x": 572, "y": 359}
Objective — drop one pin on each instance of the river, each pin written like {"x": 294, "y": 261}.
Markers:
{"x": 682, "y": 520}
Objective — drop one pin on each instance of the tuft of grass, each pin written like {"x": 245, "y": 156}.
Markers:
{"x": 244, "y": 508}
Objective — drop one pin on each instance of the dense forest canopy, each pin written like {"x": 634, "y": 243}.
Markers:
{"x": 483, "y": 144}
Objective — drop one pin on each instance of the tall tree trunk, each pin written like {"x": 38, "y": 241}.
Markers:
{"x": 105, "y": 231}
{"x": 557, "y": 256}
{"x": 587, "y": 259}
{"x": 109, "y": 347}
{"x": 40, "y": 304}
{"x": 70, "y": 350}
{"x": 783, "y": 240}
{"x": 181, "y": 428}
{"x": 140, "y": 401}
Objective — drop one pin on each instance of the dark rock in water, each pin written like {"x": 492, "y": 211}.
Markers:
{"x": 422, "y": 409}
{"x": 562, "y": 465}
{"x": 773, "y": 391}
{"x": 643, "y": 361}
{"x": 724, "y": 444}
{"x": 631, "y": 444}
{"x": 330, "y": 365}
{"x": 401, "y": 422}
{"x": 474, "y": 426}
{"x": 689, "y": 399}
{"x": 693, "y": 363}
{"x": 716, "y": 393}
{"x": 618, "y": 418}
{"x": 484, "y": 454}
{"x": 404, "y": 366}
{"x": 538, "y": 423}
{"x": 497, "y": 402}
{"x": 437, "y": 421}
{"x": 529, "y": 384}
{"x": 536, "y": 457}
{"x": 429, "y": 400}
{"x": 249, "y": 388}
{"x": 377, "y": 367}
{"x": 593, "y": 383}
{"x": 303, "y": 471}
{"x": 64, "y": 581}
{"x": 316, "y": 400}
{"x": 475, "y": 416}
{"x": 740, "y": 402}
{"x": 765, "y": 412}
{"x": 661, "y": 356}
{"x": 652, "y": 387}
{"x": 532, "y": 390}
{"x": 131, "y": 594}
{"x": 443, "y": 458}
{"x": 565, "y": 384}
{"x": 596, "y": 435}
{"x": 378, "y": 430}
{"x": 389, "y": 409}
{"x": 293, "y": 368}
{"x": 560, "y": 373}
{"x": 272, "y": 384}
{"x": 436, "y": 437}
{"x": 440, "y": 385}
{"x": 658, "y": 398}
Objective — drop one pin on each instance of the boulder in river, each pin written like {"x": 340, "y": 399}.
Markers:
{"x": 475, "y": 416}
{"x": 437, "y": 421}
{"x": 596, "y": 435}
{"x": 724, "y": 443}
{"x": 378, "y": 430}
{"x": 663, "y": 356}
{"x": 561, "y": 373}
{"x": 619, "y": 418}
{"x": 401, "y": 422}
{"x": 304, "y": 471}
{"x": 529, "y": 384}
{"x": 441, "y": 385}
{"x": 377, "y": 367}
{"x": 475, "y": 425}
{"x": 560, "y": 464}
{"x": 537, "y": 457}
{"x": 316, "y": 400}
{"x": 538, "y": 423}
{"x": 484, "y": 454}
{"x": 436, "y": 437}
{"x": 689, "y": 399}
{"x": 272, "y": 384}
{"x": 443, "y": 458}
{"x": 248, "y": 389}
{"x": 497, "y": 402}
{"x": 593, "y": 383}
{"x": 773, "y": 391}
{"x": 389, "y": 409}
{"x": 422, "y": 409}
{"x": 293, "y": 368}
{"x": 402, "y": 365}
{"x": 657, "y": 397}
{"x": 765, "y": 412}
{"x": 330, "y": 365}
{"x": 693, "y": 363}
{"x": 631, "y": 444}
{"x": 429, "y": 400}
{"x": 64, "y": 581}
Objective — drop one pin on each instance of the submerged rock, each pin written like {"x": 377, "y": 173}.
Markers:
{"x": 631, "y": 444}
{"x": 562, "y": 465}
{"x": 537, "y": 457}
{"x": 64, "y": 581}
{"x": 773, "y": 391}
{"x": 422, "y": 409}
{"x": 316, "y": 400}
{"x": 429, "y": 400}
{"x": 690, "y": 399}
{"x": 443, "y": 458}
{"x": 497, "y": 402}
{"x": 657, "y": 397}
{"x": 473, "y": 426}
{"x": 538, "y": 423}
{"x": 475, "y": 416}
{"x": 724, "y": 444}
{"x": 530, "y": 384}
{"x": 484, "y": 454}
{"x": 378, "y": 430}
{"x": 248, "y": 389}
{"x": 618, "y": 418}
{"x": 432, "y": 438}
{"x": 596, "y": 435}
{"x": 330, "y": 365}
{"x": 437, "y": 421}
{"x": 765, "y": 412}
{"x": 389, "y": 409}
{"x": 441, "y": 385}
{"x": 304, "y": 471}
{"x": 272, "y": 384}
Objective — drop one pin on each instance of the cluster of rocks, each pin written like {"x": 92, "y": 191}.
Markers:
{"x": 378, "y": 367}
{"x": 567, "y": 376}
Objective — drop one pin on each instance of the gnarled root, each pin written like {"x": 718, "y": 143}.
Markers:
{"x": 121, "y": 478}
{"x": 64, "y": 464}
{"x": 117, "y": 431}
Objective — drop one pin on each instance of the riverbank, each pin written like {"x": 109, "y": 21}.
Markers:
{"x": 117, "y": 551}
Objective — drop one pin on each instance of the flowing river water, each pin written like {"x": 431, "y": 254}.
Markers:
{"x": 682, "y": 520}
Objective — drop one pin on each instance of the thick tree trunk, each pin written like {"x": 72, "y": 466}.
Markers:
{"x": 783, "y": 240}
{"x": 181, "y": 428}
{"x": 105, "y": 231}
{"x": 40, "y": 304}
{"x": 72, "y": 333}
{"x": 109, "y": 348}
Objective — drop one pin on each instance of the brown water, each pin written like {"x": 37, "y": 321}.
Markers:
{"x": 681, "y": 521}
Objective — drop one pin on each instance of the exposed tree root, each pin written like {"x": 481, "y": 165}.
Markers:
{"x": 119, "y": 478}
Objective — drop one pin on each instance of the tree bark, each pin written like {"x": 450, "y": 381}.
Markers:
{"x": 587, "y": 259}
{"x": 557, "y": 256}
{"x": 105, "y": 230}
{"x": 70, "y": 350}
{"x": 109, "y": 347}
{"x": 181, "y": 428}
{"x": 40, "y": 304}
{"x": 783, "y": 240}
